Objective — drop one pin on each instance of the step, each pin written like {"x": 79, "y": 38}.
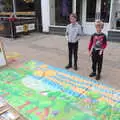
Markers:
{"x": 57, "y": 33}
{"x": 113, "y": 38}
{"x": 114, "y": 35}
{"x": 57, "y": 30}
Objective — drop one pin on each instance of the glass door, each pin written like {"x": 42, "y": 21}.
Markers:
{"x": 98, "y": 9}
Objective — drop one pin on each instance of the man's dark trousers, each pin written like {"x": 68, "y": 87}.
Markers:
{"x": 73, "y": 50}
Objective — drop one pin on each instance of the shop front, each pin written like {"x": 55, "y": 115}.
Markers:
{"x": 87, "y": 11}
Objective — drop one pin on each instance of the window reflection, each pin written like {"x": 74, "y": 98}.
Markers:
{"x": 105, "y": 10}
{"x": 91, "y": 10}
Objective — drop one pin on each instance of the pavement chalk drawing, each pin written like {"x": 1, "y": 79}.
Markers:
{"x": 42, "y": 92}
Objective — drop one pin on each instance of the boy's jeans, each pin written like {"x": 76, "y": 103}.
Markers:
{"x": 73, "y": 50}
{"x": 97, "y": 61}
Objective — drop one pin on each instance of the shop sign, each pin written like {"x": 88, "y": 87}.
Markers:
{"x": 19, "y": 29}
{"x": 31, "y": 26}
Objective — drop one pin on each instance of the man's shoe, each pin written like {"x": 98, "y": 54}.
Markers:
{"x": 68, "y": 66}
{"x": 93, "y": 74}
{"x": 98, "y": 77}
{"x": 75, "y": 67}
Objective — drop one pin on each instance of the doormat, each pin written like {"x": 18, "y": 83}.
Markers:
{"x": 42, "y": 92}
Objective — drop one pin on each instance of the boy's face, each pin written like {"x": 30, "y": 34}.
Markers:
{"x": 98, "y": 28}
{"x": 72, "y": 19}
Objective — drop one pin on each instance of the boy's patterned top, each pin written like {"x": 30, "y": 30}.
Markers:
{"x": 73, "y": 32}
{"x": 98, "y": 41}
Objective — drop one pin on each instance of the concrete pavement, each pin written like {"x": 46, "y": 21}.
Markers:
{"x": 52, "y": 50}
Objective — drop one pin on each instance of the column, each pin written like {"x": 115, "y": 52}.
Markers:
{"x": 45, "y": 11}
{"x": 84, "y": 7}
{"x": 98, "y": 9}
{"x": 74, "y": 6}
{"x": 112, "y": 14}
{"x": 14, "y": 7}
{"x": 52, "y": 12}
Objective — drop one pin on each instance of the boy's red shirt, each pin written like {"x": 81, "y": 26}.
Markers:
{"x": 98, "y": 41}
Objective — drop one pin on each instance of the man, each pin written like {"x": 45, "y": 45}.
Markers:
{"x": 73, "y": 32}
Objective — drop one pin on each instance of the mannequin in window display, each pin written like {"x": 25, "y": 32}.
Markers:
{"x": 63, "y": 8}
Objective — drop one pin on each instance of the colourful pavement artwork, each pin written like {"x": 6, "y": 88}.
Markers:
{"x": 42, "y": 92}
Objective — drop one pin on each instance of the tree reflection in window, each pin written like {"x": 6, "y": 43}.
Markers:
{"x": 26, "y": 6}
{"x": 6, "y": 6}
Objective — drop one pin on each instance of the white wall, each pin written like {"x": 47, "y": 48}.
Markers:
{"x": 45, "y": 10}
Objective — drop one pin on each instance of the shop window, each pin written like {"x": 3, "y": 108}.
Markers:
{"x": 6, "y": 6}
{"x": 105, "y": 10}
{"x": 62, "y": 10}
{"x": 27, "y": 5}
{"x": 79, "y": 10}
{"x": 91, "y": 10}
{"x": 118, "y": 24}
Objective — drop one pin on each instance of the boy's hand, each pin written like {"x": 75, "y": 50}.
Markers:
{"x": 66, "y": 37}
{"x": 90, "y": 53}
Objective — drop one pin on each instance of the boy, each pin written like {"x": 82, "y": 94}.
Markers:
{"x": 73, "y": 32}
{"x": 96, "y": 48}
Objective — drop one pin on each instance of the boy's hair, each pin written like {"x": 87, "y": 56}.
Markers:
{"x": 99, "y": 23}
{"x": 73, "y": 15}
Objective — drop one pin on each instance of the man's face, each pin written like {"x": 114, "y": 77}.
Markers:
{"x": 72, "y": 19}
{"x": 98, "y": 28}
